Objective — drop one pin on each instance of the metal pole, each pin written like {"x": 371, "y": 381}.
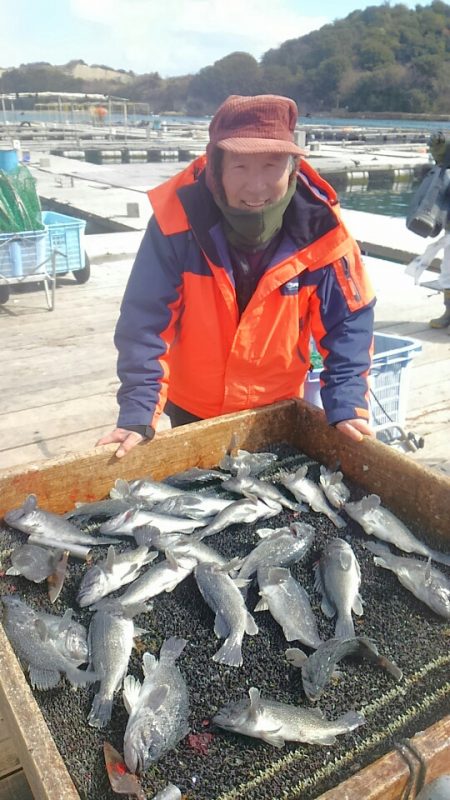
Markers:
{"x": 4, "y": 108}
{"x": 125, "y": 120}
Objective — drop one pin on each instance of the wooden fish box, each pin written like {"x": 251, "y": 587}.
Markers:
{"x": 416, "y": 494}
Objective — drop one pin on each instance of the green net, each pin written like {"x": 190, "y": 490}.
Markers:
{"x": 20, "y": 209}
{"x": 316, "y": 359}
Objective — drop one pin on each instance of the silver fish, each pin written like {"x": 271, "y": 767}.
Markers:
{"x": 127, "y": 522}
{"x": 152, "y": 491}
{"x": 277, "y": 723}
{"x": 289, "y": 605}
{"x": 110, "y": 639}
{"x": 200, "y": 506}
{"x": 319, "y": 667}
{"x": 304, "y": 489}
{"x": 183, "y": 546}
{"x": 37, "y": 649}
{"x": 33, "y": 562}
{"x": 256, "y": 462}
{"x": 333, "y": 487}
{"x": 338, "y": 578}
{"x": 72, "y": 549}
{"x": 161, "y": 577}
{"x": 170, "y": 792}
{"x": 69, "y": 636}
{"x": 112, "y": 573}
{"x": 278, "y": 547}
{"x": 249, "y": 486}
{"x": 158, "y": 708}
{"x": 248, "y": 510}
{"x": 193, "y": 475}
{"x": 232, "y": 619}
{"x": 425, "y": 582}
{"x": 100, "y": 508}
{"x": 377, "y": 520}
{"x": 31, "y": 519}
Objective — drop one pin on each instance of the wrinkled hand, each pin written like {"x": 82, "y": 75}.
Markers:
{"x": 355, "y": 429}
{"x": 127, "y": 440}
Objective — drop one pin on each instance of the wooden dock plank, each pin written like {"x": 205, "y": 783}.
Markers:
{"x": 16, "y": 787}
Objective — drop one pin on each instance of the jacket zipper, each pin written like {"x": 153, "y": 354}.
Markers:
{"x": 351, "y": 280}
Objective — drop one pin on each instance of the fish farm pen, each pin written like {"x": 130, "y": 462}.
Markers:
{"x": 224, "y": 765}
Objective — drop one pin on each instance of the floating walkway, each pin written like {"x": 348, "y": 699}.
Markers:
{"x": 113, "y": 198}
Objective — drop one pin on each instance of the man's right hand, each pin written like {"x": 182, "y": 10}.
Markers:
{"x": 127, "y": 440}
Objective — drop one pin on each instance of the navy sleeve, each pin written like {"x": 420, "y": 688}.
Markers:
{"x": 344, "y": 337}
{"x": 146, "y": 324}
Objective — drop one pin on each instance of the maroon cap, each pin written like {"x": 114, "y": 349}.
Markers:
{"x": 264, "y": 123}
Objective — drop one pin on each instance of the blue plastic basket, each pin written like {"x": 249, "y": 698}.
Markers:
{"x": 22, "y": 254}
{"x": 65, "y": 234}
{"x": 389, "y": 379}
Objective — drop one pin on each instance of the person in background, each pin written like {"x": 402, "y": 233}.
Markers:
{"x": 439, "y": 147}
{"x": 245, "y": 258}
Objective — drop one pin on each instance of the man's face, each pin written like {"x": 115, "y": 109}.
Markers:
{"x": 253, "y": 181}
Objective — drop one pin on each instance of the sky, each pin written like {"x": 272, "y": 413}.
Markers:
{"x": 172, "y": 37}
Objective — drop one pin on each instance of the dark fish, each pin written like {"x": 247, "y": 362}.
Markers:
{"x": 318, "y": 668}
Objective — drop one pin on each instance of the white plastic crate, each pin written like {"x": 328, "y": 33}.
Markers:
{"x": 389, "y": 379}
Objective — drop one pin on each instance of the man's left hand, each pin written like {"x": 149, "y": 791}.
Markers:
{"x": 355, "y": 429}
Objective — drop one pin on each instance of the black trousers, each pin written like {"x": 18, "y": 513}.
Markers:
{"x": 178, "y": 416}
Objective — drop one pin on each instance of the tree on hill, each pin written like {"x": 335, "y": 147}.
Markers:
{"x": 383, "y": 58}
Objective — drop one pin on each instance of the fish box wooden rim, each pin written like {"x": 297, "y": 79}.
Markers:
{"x": 418, "y": 495}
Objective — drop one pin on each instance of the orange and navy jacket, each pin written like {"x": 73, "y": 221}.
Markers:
{"x": 180, "y": 335}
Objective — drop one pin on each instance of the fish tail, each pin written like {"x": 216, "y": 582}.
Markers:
{"x": 172, "y": 648}
{"x": 350, "y": 721}
{"x": 100, "y": 713}
{"x": 80, "y": 677}
{"x": 344, "y": 626}
{"x": 441, "y": 558}
{"x": 337, "y": 520}
{"x": 230, "y": 653}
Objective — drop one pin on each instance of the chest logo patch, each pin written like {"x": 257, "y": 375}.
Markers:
{"x": 290, "y": 287}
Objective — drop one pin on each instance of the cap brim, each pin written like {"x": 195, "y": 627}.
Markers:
{"x": 254, "y": 145}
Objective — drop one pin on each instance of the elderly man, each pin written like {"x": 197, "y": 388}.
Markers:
{"x": 244, "y": 260}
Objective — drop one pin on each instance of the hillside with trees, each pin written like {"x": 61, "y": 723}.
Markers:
{"x": 384, "y": 59}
